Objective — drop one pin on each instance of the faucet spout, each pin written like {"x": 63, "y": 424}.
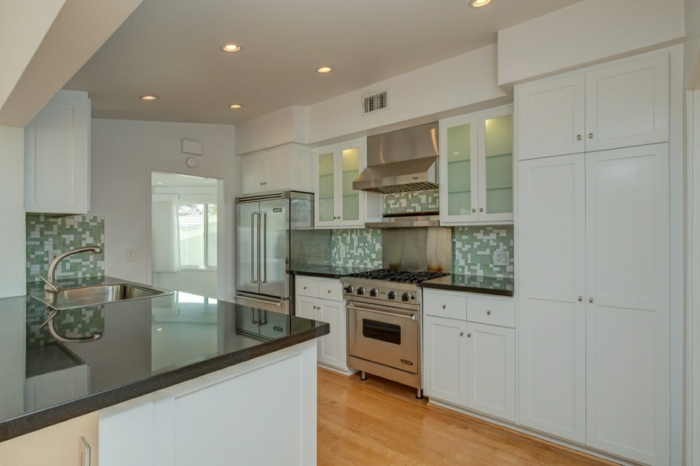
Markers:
{"x": 51, "y": 285}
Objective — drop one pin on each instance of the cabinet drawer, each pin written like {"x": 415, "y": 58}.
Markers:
{"x": 331, "y": 290}
{"x": 448, "y": 305}
{"x": 307, "y": 287}
{"x": 491, "y": 311}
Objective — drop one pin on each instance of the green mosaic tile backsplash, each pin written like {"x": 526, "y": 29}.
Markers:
{"x": 357, "y": 248}
{"x": 473, "y": 248}
{"x": 47, "y": 236}
{"x": 417, "y": 201}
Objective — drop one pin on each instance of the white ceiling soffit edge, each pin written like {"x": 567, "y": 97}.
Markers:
{"x": 79, "y": 30}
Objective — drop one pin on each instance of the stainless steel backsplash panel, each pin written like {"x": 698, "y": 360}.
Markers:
{"x": 417, "y": 249}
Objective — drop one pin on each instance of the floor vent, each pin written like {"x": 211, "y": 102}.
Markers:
{"x": 376, "y": 102}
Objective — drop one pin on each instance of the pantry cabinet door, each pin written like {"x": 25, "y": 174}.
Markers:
{"x": 628, "y": 104}
{"x": 445, "y": 364}
{"x": 491, "y": 370}
{"x": 551, "y": 118}
{"x": 627, "y": 315}
{"x": 552, "y": 332}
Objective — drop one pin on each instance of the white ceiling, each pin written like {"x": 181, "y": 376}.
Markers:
{"x": 171, "y": 48}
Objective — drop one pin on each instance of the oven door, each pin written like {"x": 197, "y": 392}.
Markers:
{"x": 386, "y": 336}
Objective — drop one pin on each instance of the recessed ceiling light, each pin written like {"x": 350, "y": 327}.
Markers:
{"x": 149, "y": 97}
{"x": 235, "y": 106}
{"x": 324, "y": 69}
{"x": 479, "y": 3}
{"x": 231, "y": 48}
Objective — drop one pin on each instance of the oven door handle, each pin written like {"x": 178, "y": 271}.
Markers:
{"x": 390, "y": 314}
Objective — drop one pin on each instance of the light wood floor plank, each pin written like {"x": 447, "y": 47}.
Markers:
{"x": 379, "y": 422}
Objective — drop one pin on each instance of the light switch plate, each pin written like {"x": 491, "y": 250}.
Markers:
{"x": 132, "y": 254}
{"x": 501, "y": 258}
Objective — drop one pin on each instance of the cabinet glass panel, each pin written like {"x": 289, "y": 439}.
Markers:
{"x": 499, "y": 164}
{"x": 326, "y": 197}
{"x": 351, "y": 170}
{"x": 459, "y": 170}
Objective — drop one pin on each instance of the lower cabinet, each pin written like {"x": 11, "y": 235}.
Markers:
{"x": 332, "y": 348}
{"x": 468, "y": 364}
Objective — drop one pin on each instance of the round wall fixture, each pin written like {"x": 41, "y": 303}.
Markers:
{"x": 192, "y": 162}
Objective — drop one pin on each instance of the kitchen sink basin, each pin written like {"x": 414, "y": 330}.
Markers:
{"x": 97, "y": 294}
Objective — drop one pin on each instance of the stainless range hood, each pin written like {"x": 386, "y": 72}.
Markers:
{"x": 401, "y": 161}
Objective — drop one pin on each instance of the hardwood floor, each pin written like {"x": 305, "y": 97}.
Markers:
{"x": 379, "y": 422}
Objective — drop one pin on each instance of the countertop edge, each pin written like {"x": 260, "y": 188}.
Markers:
{"x": 35, "y": 421}
{"x": 467, "y": 289}
{"x": 317, "y": 274}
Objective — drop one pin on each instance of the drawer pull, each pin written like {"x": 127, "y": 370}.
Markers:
{"x": 461, "y": 334}
{"x": 469, "y": 335}
{"x": 488, "y": 313}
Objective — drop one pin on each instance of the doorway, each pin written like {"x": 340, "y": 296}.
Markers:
{"x": 185, "y": 233}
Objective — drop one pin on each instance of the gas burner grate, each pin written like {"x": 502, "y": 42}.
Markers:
{"x": 396, "y": 275}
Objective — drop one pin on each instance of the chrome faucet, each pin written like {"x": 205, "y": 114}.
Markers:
{"x": 51, "y": 285}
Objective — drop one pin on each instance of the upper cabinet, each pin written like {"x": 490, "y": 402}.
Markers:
{"x": 57, "y": 156}
{"x": 337, "y": 204}
{"x": 616, "y": 106}
{"x": 476, "y": 168}
{"x": 284, "y": 168}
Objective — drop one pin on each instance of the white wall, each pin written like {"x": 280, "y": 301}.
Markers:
{"x": 448, "y": 85}
{"x": 692, "y": 43}
{"x": 585, "y": 33}
{"x": 12, "y": 233}
{"x": 201, "y": 282}
{"x": 123, "y": 155}
{"x": 274, "y": 129}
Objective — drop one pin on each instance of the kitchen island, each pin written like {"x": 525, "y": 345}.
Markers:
{"x": 177, "y": 379}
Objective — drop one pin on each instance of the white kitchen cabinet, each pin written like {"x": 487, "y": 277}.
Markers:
{"x": 445, "y": 359}
{"x": 491, "y": 370}
{"x": 469, "y": 351}
{"x": 476, "y": 169}
{"x": 594, "y": 299}
{"x": 337, "y": 204}
{"x": 288, "y": 167}
{"x": 627, "y": 305}
{"x": 552, "y": 327}
{"x": 57, "y": 156}
{"x": 321, "y": 299}
{"x": 622, "y": 105}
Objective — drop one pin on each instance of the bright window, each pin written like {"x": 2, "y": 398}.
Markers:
{"x": 197, "y": 235}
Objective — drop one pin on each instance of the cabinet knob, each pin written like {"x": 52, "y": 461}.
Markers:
{"x": 590, "y": 300}
{"x": 473, "y": 210}
{"x": 329, "y": 291}
{"x": 444, "y": 306}
{"x": 461, "y": 334}
{"x": 305, "y": 288}
{"x": 261, "y": 183}
{"x": 578, "y": 137}
{"x": 488, "y": 313}
{"x": 469, "y": 335}
{"x": 481, "y": 209}
{"x": 590, "y": 135}
{"x": 580, "y": 299}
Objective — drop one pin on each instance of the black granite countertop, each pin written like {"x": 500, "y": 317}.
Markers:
{"x": 147, "y": 345}
{"x": 327, "y": 271}
{"x": 473, "y": 284}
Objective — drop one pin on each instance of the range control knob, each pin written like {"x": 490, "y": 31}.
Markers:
{"x": 406, "y": 297}
{"x": 392, "y": 295}
{"x": 349, "y": 289}
{"x": 373, "y": 292}
{"x": 361, "y": 290}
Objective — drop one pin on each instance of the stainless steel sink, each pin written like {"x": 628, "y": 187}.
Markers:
{"x": 97, "y": 294}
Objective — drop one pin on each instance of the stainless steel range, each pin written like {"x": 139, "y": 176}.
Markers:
{"x": 385, "y": 324}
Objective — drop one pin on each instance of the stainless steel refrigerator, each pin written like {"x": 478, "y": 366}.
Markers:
{"x": 268, "y": 229}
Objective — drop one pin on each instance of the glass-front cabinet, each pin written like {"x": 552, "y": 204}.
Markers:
{"x": 337, "y": 204}
{"x": 476, "y": 168}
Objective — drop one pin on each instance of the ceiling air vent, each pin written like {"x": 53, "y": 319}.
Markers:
{"x": 376, "y": 102}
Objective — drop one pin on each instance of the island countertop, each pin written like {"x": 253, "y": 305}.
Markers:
{"x": 147, "y": 345}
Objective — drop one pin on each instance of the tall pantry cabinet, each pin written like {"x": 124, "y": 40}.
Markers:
{"x": 593, "y": 239}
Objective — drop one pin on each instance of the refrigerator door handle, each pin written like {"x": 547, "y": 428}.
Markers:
{"x": 258, "y": 246}
{"x": 264, "y": 233}
{"x": 252, "y": 247}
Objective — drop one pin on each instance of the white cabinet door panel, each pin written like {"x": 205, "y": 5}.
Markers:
{"x": 628, "y": 104}
{"x": 552, "y": 277}
{"x": 253, "y": 174}
{"x": 446, "y": 360}
{"x": 627, "y": 231}
{"x": 331, "y": 349}
{"x": 551, "y": 118}
{"x": 491, "y": 370}
{"x": 278, "y": 169}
